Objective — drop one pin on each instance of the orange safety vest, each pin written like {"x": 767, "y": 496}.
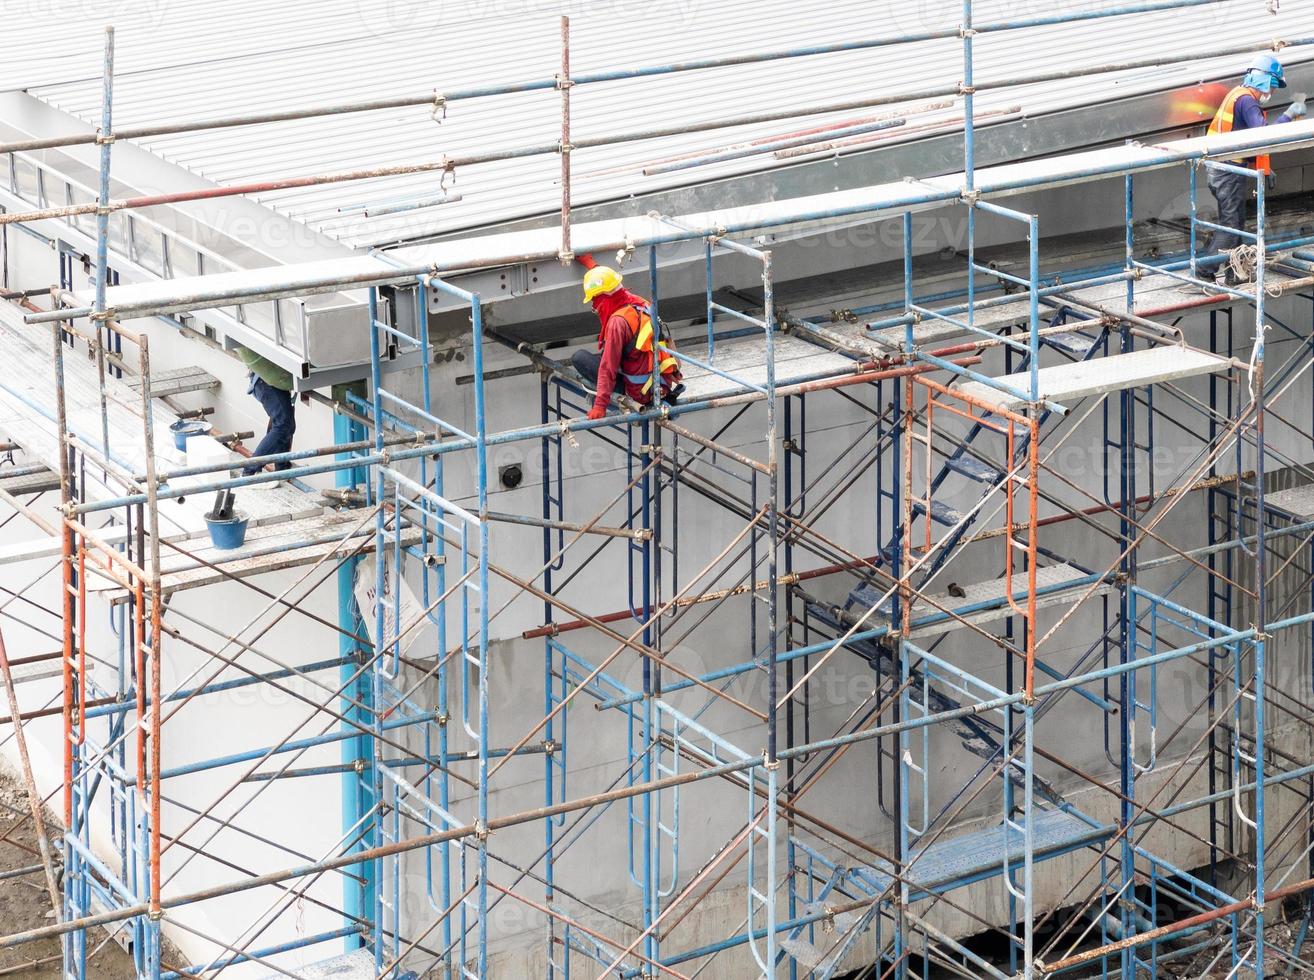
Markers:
{"x": 1224, "y": 120}
{"x": 639, "y": 319}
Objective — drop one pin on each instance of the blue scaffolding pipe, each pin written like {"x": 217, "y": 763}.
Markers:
{"x": 300, "y": 943}
{"x": 124, "y": 707}
{"x": 294, "y": 745}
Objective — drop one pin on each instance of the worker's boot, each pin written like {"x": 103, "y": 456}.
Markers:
{"x": 1223, "y": 280}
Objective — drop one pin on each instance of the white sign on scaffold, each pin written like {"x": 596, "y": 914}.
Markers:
{"x": 368, "y": 596}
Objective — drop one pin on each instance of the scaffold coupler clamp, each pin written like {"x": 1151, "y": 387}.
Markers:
{"x": 481, "y": 831}
{"x": 969, "y": 197}
{"x": 438, "y": 112}
{"x": 624, "y": 252}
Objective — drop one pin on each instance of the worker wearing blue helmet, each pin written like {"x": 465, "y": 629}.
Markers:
{"x": 1243, "y": 109}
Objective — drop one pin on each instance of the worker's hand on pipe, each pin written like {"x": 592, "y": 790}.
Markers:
{"x": 1296, "y": 110}
{"x": 596, "y": 413}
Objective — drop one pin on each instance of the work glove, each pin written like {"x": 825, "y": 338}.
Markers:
{"x": 1296, "y": 110}
{"x": 596, "y": 413}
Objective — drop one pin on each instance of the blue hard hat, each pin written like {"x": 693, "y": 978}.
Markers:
{"x": 1265, "y": 74}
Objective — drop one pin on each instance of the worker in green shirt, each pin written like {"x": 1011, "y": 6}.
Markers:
{"x": 272, "y": 387}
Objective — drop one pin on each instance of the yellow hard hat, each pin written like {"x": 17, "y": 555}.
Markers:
{"x": 600, "y": 279}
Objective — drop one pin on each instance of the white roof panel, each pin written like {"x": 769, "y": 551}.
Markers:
{"x": 187, "y": 59}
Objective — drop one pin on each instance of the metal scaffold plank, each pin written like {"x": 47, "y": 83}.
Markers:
{"x": 979, "y": 854}
{"x": 267, "y": 548}
{"x": 745, "y": 358}
{"x": 176, "y": 381}
{"x": 1069, "y": 382}
{"x": 1155, "y": 296}
{"x": 1054, "y": 585}
{"x": 931, "y": 331}
{"x": 1296, "y": 501}
{"x": 356, "y": 965}
{"x": 40, "y": 482}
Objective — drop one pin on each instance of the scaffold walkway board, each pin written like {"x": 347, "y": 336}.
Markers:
{"x": 1066, "y": 383}
{"x": 356, "y": 965}
{"x": 1296, "y": 501}
{"x": 1055, "y": 584}
{"x": 28, "y": 413}
{"x": 28, "y": 483}
{"x": 978, "y": 855}
{"x": 176, "y": 381}
{"x": 745, "y": 358}
{"x": 932, "y": 329}
{"x": 196, "y": 562}
{"x": 1155, "y": 295}
{"x": 39, "y": 670}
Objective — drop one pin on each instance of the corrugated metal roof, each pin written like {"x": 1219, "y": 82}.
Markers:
{"x": 204, "y": 60}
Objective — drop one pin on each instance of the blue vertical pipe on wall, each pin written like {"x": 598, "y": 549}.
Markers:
{"x": 357, "y": 895}
{"x": 649, "y": 743}
{"x": 481, "y": 435}
{"x": 373, "y": 683}
{"x": 1261, "y": 574}
{"x": 1127, "y": 636}
{"x": 439, "y": 546}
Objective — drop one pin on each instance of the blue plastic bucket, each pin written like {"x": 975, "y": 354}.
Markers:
{"x": 228, "y": 534}
{"x": 183, "y": 429}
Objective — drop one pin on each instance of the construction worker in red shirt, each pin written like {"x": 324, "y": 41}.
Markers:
{"x": 626, "y": 342}
{"x": 1243, "y": 109}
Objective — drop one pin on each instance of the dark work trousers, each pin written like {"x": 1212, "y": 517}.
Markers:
{"x": 280, "y": 406}
{"x": 1231, "y": 192}
{"x": 586, "y": 362}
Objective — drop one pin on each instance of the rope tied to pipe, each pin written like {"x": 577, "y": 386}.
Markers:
{"x": 1244, "y": 262}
